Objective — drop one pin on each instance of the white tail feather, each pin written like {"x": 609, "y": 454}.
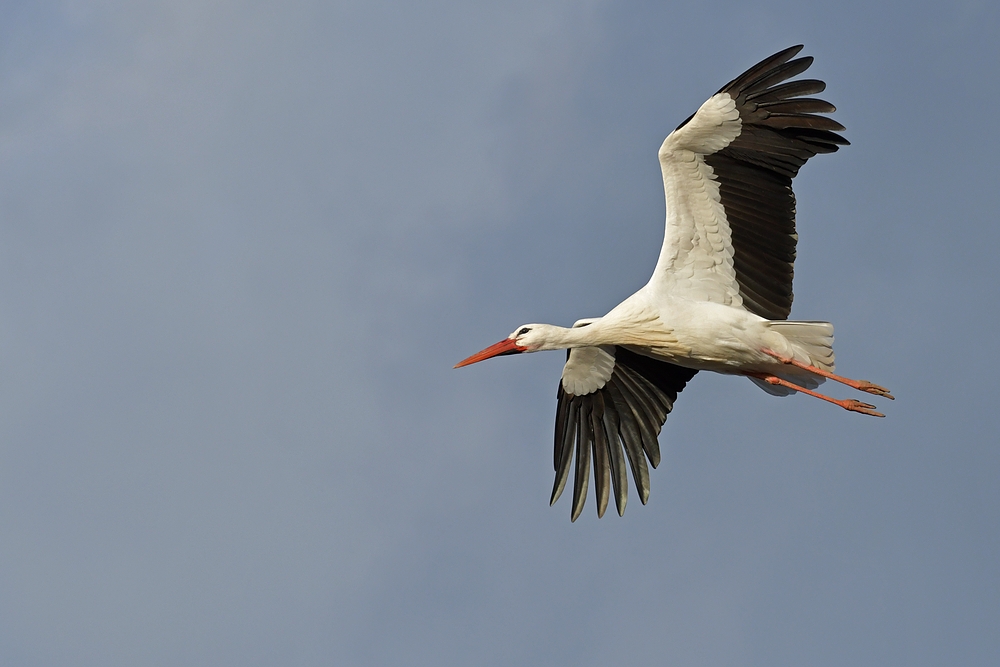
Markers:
{"x": 812, "y": 343}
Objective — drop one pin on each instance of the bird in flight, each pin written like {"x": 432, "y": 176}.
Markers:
{"x": 719, "y": 296}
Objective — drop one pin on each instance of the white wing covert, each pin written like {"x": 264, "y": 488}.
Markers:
{"x": 727, "y": 171}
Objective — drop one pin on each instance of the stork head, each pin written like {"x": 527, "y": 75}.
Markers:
{"x": 526, "y": 338}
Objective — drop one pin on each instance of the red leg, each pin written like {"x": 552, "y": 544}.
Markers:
{"x": 847, "y": 404}
{"x": 862, "y": 385}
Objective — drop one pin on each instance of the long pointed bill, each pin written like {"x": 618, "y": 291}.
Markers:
{"x": 506, "y": 346}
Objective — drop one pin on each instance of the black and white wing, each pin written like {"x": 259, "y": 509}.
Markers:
{"x": 610, "y": 400}
{"x": 727, "y": 176}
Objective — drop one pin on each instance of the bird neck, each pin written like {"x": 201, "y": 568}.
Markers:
{"x": 561, "y": 338}
{"x": 633, "y": 327}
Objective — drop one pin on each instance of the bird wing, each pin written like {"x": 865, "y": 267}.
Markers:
{"x": 727, "y": 177}
{"x": 610, "y": 399}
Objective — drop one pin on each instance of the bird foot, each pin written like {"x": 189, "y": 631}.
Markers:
{"x": 872, "y": 388}
{"x": 858, "y": 406}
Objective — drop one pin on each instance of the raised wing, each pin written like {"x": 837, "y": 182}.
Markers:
{"x": 727, "y": 177}
{"x": 611, "y": 399}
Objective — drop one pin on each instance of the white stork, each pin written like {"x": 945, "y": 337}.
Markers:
{"x": 719, "y": 296}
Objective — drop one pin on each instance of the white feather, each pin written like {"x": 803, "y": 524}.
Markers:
{"x": 696, "y": 260}
{"x": 588, "y": 369}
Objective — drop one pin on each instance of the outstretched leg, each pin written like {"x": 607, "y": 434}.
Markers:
{"x": 862, "y": 385}
{"x": 847, "y": 404}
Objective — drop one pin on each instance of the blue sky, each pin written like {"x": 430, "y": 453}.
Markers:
{"x": 242, "y": 244}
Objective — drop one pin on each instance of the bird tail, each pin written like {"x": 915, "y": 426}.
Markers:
{"x": 812, "y": 343}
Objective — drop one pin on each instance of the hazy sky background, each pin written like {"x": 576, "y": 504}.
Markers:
{"x": 242, "y": 244}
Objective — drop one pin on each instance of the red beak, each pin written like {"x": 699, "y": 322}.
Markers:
{"x": 506, "y": 346}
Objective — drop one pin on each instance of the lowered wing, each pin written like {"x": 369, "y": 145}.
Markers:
{"x": 611, "y": 406}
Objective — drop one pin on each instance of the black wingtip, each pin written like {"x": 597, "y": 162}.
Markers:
{"x": 765, "y": 65}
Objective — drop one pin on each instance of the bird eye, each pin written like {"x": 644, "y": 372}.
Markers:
{"x": 523, "y": 331}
